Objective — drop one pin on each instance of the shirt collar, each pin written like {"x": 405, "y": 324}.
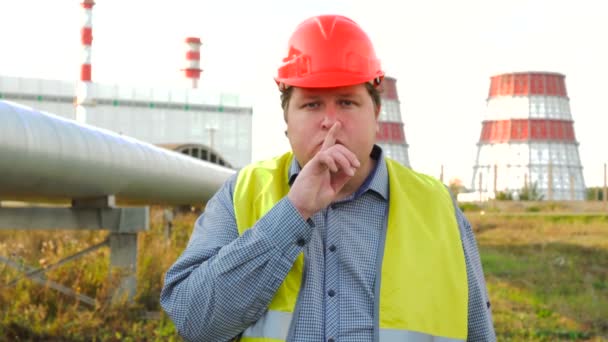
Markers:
{"x": 376, "y": 181}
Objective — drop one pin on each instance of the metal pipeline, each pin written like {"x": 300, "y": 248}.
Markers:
{"x": 46, "y": 157}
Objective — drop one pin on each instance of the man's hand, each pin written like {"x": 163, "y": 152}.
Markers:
{"x": 322, "y": 178}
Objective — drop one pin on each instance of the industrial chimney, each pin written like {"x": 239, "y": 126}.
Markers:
{"x": 193, "y": 57}
{"x": 83, "y": 91}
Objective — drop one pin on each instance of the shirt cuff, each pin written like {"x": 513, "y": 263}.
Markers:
{"x": 286, "y": 226}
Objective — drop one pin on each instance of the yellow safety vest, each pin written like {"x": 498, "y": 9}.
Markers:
{"x": 423, "y": 291}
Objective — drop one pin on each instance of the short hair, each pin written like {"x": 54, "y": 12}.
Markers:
{"x": 373, "y": 91}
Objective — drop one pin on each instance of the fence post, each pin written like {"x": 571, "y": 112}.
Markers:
{"x": 480, "y": 182}
{"x": 168, "y": 216}
{"x": 495, "y": 179}
{"x": 572, "y": 194}
{"x": 550, "y": 182}
{"x": 604, "y": 198}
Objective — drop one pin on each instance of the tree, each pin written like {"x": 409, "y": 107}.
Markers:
{"x": 530, "y": 193}
{"x": 595, "y": 193}
{"x": 456, "y": 187}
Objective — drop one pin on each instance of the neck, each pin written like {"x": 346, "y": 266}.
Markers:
{"x": 358, "y": 179}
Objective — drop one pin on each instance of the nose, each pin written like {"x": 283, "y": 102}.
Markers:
{"x": 329, "y": 117}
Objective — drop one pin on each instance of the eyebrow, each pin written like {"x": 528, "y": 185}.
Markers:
{"x": 341, "y": 95}
{"x": 310, "y": 97}
{"x": 349, "y": 95}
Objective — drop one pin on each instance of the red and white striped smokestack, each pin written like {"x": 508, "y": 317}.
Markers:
{"x": 86, "y": 35}
{"x": 193, "y": 58}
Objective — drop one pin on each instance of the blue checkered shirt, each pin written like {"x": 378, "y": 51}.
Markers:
{"x": 222, "y": 283}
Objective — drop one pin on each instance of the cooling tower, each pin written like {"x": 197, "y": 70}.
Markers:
{"x": 527, "y": 139}
{"x": 391, "y": 136}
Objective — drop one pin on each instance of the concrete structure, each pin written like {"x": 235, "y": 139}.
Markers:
{"x": 155, "y": 115}
{"x": 391, "y": 135}
{"x": 527, "y": 139}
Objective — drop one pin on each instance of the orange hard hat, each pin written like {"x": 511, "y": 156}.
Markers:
{"x": 329, "y": 51}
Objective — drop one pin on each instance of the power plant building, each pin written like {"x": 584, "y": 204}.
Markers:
{"x": 527, "y": 139}
{"x": 161, "y": 116}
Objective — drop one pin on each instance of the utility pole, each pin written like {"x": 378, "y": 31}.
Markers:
{"x": 572, "y": 188}
{"x": 604, "y": 199}
{"x": 480, "y": 181}
{"x": 495, "y": 178}
{"x": 526, "y": 189}
{"x": 550, "y": 182}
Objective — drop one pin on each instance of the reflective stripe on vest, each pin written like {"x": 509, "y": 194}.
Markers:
{"x": 275, "y": 326}
{"x": 392, "y": 335}
{"x": 423, "y": 286}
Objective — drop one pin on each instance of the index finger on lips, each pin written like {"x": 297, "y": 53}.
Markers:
{"x": 352, "y": 158}
{"x": 330, "y": 138}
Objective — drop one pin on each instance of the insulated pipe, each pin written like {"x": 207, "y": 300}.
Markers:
{"x": 46, "y": 157}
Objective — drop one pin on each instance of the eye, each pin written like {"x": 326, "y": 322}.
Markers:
{"x": 346, "y": 103}
{"x": 311, "y": 105}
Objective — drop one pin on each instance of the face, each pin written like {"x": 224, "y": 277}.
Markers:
{"x": 313, "y": 111}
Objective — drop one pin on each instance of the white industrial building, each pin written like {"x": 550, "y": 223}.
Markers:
{"x": 210, "y": 127}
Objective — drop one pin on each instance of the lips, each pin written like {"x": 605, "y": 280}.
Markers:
{"x": 320, "y": 144}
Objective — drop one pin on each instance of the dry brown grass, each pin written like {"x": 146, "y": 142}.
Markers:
{"x": 547, "y": 278}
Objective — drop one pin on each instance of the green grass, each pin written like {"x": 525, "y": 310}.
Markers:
{"x": 547, "y": 276}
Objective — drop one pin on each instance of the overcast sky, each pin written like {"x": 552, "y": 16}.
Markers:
{"x": 441, "y": 52}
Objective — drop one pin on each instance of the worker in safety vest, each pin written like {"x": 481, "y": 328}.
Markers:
{"x": 332, "y": 241}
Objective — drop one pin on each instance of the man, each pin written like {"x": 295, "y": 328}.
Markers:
{"x": 332, "y": 242}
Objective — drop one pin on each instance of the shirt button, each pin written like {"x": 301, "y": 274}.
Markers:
{"x": 332, "y": 248}
{"x": 331, "y": 293}
{"x": 330, "y": 340}
{"x": 301, "y": 242}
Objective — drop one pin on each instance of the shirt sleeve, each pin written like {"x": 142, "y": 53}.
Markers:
{"x": 223, "y": 282}
{"x": 480, "y": 326}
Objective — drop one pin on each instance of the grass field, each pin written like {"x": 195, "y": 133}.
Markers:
{"x": 547, "y": 275}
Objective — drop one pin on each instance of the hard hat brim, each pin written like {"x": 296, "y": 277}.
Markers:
{"x": 328, "y": 79}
